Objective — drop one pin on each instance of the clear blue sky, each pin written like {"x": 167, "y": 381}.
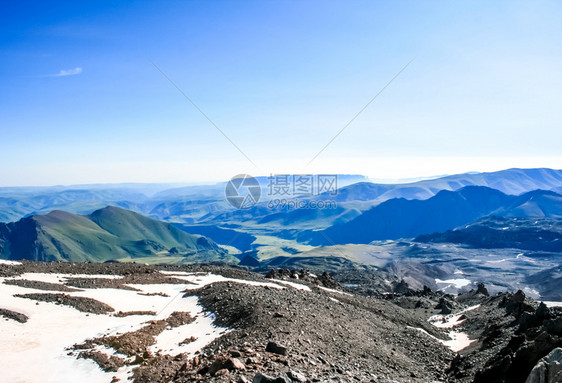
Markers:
{"x": 81, "y": 102}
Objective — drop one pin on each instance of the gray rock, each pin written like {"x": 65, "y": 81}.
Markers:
{"x": 554, "y": 326}
{"x": 262, "y": 378}
{"x": 276, "y": 348}
{"x": 548, "y": 369}
{"x": 518, "y": 304}
{"x": 297, "y": 376}
{"x": 445, "y": 306}
{"x": 482, "y": 290}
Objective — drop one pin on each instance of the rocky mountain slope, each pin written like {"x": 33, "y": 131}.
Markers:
{"x": 209, "y": 323}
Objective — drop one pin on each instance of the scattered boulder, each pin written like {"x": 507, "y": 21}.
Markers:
{"x": 481, "y": 289}
{"x": 225, "y": 363}
{"x": 529, "y": 319}
{"x": 235, "y": 364}
{"x": 189, "y": 340}
{"x": 297, "y": 376}
{"x": 262, "y": 378}
{"x": 554, "y": 326}
{"x": 548, "y": 369}
{"x": 402, "y": 287}
{"x": 445, "y": 306}
{"x": 276, "y": 348}
{"x": 517, "y": 304}
{"x": 328, "y": 281}
{"x": 222, "y": 372}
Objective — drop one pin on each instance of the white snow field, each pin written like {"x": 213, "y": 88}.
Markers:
{"x": 35, "y": 351}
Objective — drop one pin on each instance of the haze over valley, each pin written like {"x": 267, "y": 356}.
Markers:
{"x": 281, "y": 191}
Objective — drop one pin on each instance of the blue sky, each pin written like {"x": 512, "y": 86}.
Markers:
{"x": 81, "y": 102}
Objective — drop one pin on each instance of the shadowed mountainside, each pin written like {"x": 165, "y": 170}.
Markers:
{"x": 402, "y": 218}
{"x": 499, "y": 232}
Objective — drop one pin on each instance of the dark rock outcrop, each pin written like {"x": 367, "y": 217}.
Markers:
{"x": 548, "y": 369}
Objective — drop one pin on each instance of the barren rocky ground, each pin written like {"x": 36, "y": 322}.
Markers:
{"x": 296, "y": 326}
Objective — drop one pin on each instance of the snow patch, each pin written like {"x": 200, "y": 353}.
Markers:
{"x": 458, "y": 340}
{"x": 9, "y": 263}
{"x": 334, "y": 291}
{"x": 298, "y": 286}
{"x": 458, "y": 282}
{"x": 176, "y": 272}
{"x": 448, "y": 321}
{"x": 203, "y": 330}
{"x": 200, "y": 280}
{"x": 451, "y": 320}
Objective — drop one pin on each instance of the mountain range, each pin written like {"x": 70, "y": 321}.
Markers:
{"x": 206, "y": 205}
{"x": 509, "y": 181}
{"x": 165, "y": 223}
{"x": 107, "y": 234}
{"x": 403, "y": 218}
{"x": 351, "y": 200}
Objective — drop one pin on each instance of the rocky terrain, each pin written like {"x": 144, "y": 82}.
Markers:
{"x": 225, "y": 324}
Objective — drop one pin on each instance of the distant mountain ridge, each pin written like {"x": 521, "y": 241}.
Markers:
{"x": 206, "y": 204}
{"x": 510, "y": 181}
{"x": 359, "y": 197}
{"x": 402, "y": 218}
{"x": 107, "y": 234}
{"x": 537, "y": 203}
{"x": 537, "y": 234}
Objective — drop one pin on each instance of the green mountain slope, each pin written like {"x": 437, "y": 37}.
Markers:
{"x": 110, "y": 233}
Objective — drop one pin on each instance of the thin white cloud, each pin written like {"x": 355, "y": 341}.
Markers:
{"x": 68, "y": 72}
